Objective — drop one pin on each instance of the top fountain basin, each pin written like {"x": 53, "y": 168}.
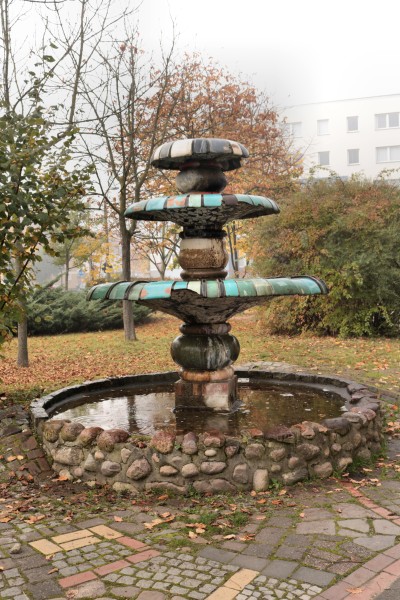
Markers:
{"x": 175, "y": 155}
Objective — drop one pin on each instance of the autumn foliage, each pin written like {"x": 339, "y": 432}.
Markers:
{"x": 347, "y": 233}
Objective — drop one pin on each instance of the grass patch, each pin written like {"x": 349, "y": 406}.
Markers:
{"x": 57, "y": 361}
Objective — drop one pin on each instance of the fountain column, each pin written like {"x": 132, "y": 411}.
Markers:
{"x": 204, "y": 351}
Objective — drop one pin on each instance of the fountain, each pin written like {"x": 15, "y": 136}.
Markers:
{"x": 204, "y": 298}
{"x": 212, "y": 432}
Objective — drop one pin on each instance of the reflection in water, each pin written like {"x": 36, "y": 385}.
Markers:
{"x": 263, "y": 406}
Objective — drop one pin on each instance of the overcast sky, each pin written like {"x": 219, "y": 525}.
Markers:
{"x": 298, "y": 52}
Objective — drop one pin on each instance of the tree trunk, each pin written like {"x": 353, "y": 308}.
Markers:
{"x": 127, "y": 308}
{"x": 23, "y": 358}
{"x": 67, "y": 261}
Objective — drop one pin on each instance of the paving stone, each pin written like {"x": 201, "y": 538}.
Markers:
{"x": 240, "y": 579}
{"x": 131, "y": 543}
{"x": 250, "y": 562}
{"x": 91, "y": 589}
{"x": 39, "y": 574}
{"x": 73, "y": 580}
{"x": 125, "y": 592}
{"x": 260, "y": 550}
{"x": 313, "y": 576}
{"x": 316, "y": 514}
{"x": 151, "y": 596}
{"x": 223, "y": 594}
{"x": 312, "y": 527}
{"x": 44, "y": 590}
{"x": 45, "y": 547}
{"x": 385, "y": 527}
{"x": 106, "y": 532}
{"x": 361, "y": 525}
{"x": 290, "y": 552}
{"x": 73, "y": 535}
{"x": 376, "y": 542}
{"x": 280, "y": 568}
{"x": 223, "y": 556}
{"x": 90, "y": 523}
{"x": 86, "y": 542}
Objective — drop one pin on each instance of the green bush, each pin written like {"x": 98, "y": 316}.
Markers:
{"x": 54, "y": 310}
{"x": 347, "y": 233}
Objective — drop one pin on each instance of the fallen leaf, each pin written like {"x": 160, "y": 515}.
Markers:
{"x": 52, "y": 571}
{"x": 117, "y": 519}
{"x": 247, "y": 537}
{"x": 192, "y": 535}
{"x": 302, "y": 515}
{"x": 163, "y": 497}
{"x": 153, "y": 523}
{"x": 282, "y": 492}
{"x": 355, "y": 590}
{"x": 232, "y": 536}
{"x": 165, "y": 515}
{"x": 34, "y": 519}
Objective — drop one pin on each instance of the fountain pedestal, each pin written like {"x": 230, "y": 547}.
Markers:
{"x": 205, "y": 353}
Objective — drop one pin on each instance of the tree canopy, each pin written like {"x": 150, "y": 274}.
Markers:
{"x": 347, "y": 233}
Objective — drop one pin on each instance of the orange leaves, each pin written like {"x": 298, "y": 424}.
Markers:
{"x": 166, "y": 517}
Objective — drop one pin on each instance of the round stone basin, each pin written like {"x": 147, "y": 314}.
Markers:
{"x": 289, "y": 426}
{"x": 264, "y": 405}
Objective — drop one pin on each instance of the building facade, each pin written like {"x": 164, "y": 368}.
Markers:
{"x": 347, "y": 136}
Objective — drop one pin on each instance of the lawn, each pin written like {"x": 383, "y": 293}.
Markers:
{"x": 56, "y": 361}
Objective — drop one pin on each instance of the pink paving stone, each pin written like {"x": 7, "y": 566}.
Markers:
{"x": 393, "y": 552}
{"x": 396, "y": 521}
{"x": 383, "y": 512}
{"x": 77, "y": 579}
{"x": 379, "y": 563}
{"x": 131, "y": 543}
{"x": 141, "y": 556}
{"x": 336, "y": 592}
{"x": 359, "y": 577}
{"x": 111, "y": 567}
{"x": 393, "y": 569}
{"x": 374, "y": 587}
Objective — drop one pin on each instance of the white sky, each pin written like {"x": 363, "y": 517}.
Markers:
{"x": 298, "y": 51}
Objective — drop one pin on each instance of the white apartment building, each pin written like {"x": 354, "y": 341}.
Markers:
{"x": 347, "y": 136}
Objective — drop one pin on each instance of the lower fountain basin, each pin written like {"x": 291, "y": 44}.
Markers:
{"x": 290, "y": 426}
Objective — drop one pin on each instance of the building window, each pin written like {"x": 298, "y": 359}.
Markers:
{"x": 352, "y": 123}
{"x": 387, "y": 154}
{"x": 323, "y": 127}
{"x": 294, "y": 129}
{"x": 323, "y": 158}
{"x": 353, "y": 156}
{"x": 387, "y": 120}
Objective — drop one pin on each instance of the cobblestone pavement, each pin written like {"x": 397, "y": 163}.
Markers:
{"x": 321, "y": 541}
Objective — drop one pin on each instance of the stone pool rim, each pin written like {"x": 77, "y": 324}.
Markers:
{"x": 216, "y": 462}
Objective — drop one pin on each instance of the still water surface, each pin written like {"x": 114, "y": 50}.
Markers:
{"x": 145, "y": 411}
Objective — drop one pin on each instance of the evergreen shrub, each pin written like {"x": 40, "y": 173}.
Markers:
{"x": 54, "y": 311}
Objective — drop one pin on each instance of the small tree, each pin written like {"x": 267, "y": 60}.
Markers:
{"x": 347, "y": 233}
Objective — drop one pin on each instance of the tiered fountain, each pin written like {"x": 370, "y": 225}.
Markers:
{"x": 212, "y": 456}
{"x": 204, "y": 298}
